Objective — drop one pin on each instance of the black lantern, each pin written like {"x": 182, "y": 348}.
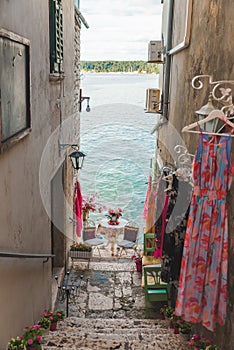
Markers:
{"x": 77, "y": 159}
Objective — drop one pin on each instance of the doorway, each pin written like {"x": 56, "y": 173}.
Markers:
{"x": 58, "y": 239}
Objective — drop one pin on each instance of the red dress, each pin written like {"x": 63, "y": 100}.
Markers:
{"x": 202, "y": 292}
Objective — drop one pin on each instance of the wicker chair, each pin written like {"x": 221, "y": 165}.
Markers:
{"x": 129, "y": 238}
{"x": 89, "y": 236}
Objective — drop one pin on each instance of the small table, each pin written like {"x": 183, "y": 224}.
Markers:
{"x": 113, "y": 231}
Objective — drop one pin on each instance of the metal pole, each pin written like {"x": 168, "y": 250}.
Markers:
{"x": 67, "y": 301}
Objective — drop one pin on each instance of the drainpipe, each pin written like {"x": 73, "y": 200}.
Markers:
{"x": 168, "y": 59}
{"x": 186, "y": 40}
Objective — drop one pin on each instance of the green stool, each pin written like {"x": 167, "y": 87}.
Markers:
{"x": 149, "y": 244}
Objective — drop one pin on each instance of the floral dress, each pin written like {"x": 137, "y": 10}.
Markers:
{"x": 202, "y": 292}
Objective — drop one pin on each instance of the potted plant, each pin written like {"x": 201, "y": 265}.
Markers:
{"x": 212, "y": 347}
{"x": 169, "y": 311}
{"x": 54, "y": 317}
{"x": 163, "y": 312}
{"x": 16, "y": 344}
{"x": 33, "y": 337}
{"x": 80, "y": 250}
{"x": 176, "y": 322}
{"x": 44, "y": 322}
{"x": 198, "y": 342}
{"x": 138, "y": 260}
{"x": 113, "y": 216}
{"x": 185, "y": 328}
{"x": 90, "y": 203}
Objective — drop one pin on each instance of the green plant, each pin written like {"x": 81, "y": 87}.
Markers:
{"x": 82, "y": 247}
{"x": 212, "y": 347}
{"x": 163, "y": 311}
{"x": 169, "y": 311}
{"x": 90, "y": 203}
{"x": 44, "y": 322}
{"x": 16, "y": 344}
{"x": 185, "y": 327}
{"x": 176, "y": 320}
{"x": 54, "y": 316}
{"x": 199, "y": 343}
{"x": 33, "y": 336}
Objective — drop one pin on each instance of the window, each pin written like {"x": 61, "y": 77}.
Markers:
{"x": 56, "y": 36}
{"x": 15, "y": 118}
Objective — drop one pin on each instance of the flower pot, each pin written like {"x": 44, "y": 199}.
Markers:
{"x": 113, "y": 218}
{"x": 176, "y": 330}
{"x": 80, "y": 254}
{"x": 85, "y": 215}
{"x": 163, "y": 317}
{"x": 53, "y": 326}
{"x": 171, "y": 324}
{"x": 33, "y": 348}
{"x": 139, "y": 266}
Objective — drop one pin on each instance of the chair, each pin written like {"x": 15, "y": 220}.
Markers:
{"x": 155, "y": 289}
{"x": 129, "y": 238}
{"x": 149, "y": 248}
{"x": 89, "y": 236}
{"x": 149, "y": 244}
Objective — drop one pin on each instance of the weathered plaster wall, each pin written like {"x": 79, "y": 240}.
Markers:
{"x": 210, "y": 52}
{"x": 25, "y": 225}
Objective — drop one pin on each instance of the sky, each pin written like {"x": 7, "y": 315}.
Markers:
{"x": 119, "y": 29}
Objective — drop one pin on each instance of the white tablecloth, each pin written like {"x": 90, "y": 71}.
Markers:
{"x": 112, "y": 232}
{"x": 104, "y": 223}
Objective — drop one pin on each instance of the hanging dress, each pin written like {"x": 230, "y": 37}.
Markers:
{"x": 78, "y": 208}
{"x": 202, "y": 292}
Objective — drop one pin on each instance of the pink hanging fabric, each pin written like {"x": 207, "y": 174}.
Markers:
{"x": 145, "y": 211}
{"x": 158, "y": 251}
{"x": 78, "y": 208}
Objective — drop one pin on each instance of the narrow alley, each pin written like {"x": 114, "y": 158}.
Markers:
{"x": 108, "y": 311}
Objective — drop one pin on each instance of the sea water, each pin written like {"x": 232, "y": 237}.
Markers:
{"x": 116, "y": 136}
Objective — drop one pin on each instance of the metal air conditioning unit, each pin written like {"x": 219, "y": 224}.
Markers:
{"x": 155, "y": 52}
{"x": 152, "y": 101}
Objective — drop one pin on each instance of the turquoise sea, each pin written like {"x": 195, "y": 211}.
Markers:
{"x": 116, "y": 137}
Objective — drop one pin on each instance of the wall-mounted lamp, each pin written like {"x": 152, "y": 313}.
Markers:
{"x": 204, "y": 111}
{"x": 81, "y": 99}
{"x": 77, "y": 157}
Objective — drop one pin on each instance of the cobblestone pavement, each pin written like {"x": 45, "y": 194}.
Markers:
{"x": 108, "y": 311}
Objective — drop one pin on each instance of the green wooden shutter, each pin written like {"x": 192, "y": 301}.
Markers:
{"x": 56, "y": 36}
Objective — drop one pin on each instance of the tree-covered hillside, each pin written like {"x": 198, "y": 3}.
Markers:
{"x": 119, "y": 66}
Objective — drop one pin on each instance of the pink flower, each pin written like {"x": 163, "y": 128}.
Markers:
{"x": 30, "y": 341}
{"x": 39, "y": 338}
{"x": 196, "y": 337}
{"x": 51, "y": 318}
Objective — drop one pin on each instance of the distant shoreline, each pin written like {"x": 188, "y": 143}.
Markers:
{"x": 121, "y": 67}
{"x": 116, "y": 73}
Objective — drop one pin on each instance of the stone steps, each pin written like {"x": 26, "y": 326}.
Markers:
{"x": 100, "y": 334}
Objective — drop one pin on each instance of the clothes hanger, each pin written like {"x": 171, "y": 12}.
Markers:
{"x": 213, "y": 115}
{"x": 223, "y": 126}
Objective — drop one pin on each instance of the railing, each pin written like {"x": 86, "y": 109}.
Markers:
{"x": 25, "y": 255}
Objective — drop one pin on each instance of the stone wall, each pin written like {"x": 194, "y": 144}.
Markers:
{"x": 210, "y": 52}
{"x": 24, "y": 216}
